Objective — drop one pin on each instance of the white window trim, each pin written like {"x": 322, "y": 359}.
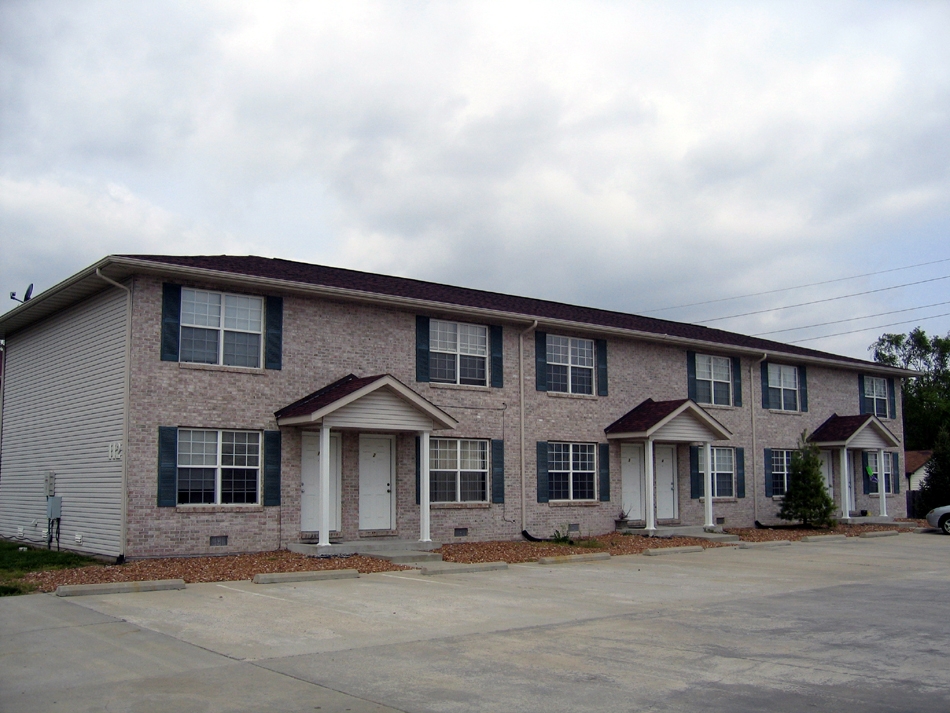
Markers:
{"x": 714, "y": 472}
{"x": 787, "y": 464}
{"x": 782, "y": 389}
{"x": 869, "y": 382}
{"x": 457, "y": 353}
{"x": 571, "y": 366}
{"x": 221, "y": 330}
{"x": 459, "y": 469}
{"x": 571, "y": 472}
{"x": 219, "y": 467}
{"x": 888, "y": 472}
{"x": 713, "y": 380}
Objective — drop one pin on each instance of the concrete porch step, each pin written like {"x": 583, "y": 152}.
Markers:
{"x": 404, "y": 557}
{"x": 364, "y": 547}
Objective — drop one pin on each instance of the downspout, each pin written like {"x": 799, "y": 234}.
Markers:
{"x": 123, "y": 535}
{"x": 524, "y": 511}
{"x": 755, "y": 450}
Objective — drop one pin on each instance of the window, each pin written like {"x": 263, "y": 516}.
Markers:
{"x": 875, "y": 395}
{"x": 875, "y": 473}
{"x": 458, "y": 353}
{"x": 783, "y": 387}
{"x": 713, "y": 380}
{"x": 571, "y": 471}
{"x": 458, "y": 471}
{"x": 723, "y": 470}
{"x": 218, "y": 467}
{"x": 570, "y": 365}
{"x": 781, "y": 465}
{"x": 218, "y": 328}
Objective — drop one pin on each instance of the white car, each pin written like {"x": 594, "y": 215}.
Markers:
{"x": 940, "y": 518}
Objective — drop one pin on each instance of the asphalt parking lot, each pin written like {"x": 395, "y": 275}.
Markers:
{"x": 858, "y": 625}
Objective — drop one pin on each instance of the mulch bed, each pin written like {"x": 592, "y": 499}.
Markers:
{"x": 793, "y": 534}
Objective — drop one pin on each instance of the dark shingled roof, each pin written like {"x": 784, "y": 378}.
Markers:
{"x": 321, "y": 275}
{"x": 326, "y": 396}
{"x": 645, "y": 416}
{"x": 916, "y": 459}
{"x": 839, "y": 428}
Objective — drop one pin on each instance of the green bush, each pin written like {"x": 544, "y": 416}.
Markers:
{"x": 806, "y": 498}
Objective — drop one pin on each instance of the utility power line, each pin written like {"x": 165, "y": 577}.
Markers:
{"x": 868, "y": 329}
{"x": 826, "y": 299}
{"x": 850, "y": 319}
{"x": 797, "y": 287}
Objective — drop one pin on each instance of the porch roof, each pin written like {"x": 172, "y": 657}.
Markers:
{"x": 313, "y": 408}
{"x": 846, "y": 430}
{"x": 663, "y": 418}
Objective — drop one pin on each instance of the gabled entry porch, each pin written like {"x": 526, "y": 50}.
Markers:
{"x": 648, "y": 437}
{"x": 358, "y": 421}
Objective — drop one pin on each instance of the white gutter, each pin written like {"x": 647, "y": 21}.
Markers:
{"x": 126, "y": 406}
{"x": 755, "y": 450}
{"x": 524, "y": 510}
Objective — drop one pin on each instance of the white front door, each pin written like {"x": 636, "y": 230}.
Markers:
{"x": 665, "y": 482}
{"x": 632, "y": 482}
{"x": 376, "y": 483}
{"x": 827, "y": 471}
{"x": 310, "y": 482}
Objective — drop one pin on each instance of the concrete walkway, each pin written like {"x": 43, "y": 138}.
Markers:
{"x": 862, "y": 624}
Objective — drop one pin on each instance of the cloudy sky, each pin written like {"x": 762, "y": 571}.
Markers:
{"x": 627, "y": 155}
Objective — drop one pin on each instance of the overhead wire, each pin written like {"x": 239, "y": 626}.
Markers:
{"x": 868, "y": 329}
{"x": 849, "y": 319}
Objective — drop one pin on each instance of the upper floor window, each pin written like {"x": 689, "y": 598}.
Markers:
{"x": 783, "y": 387}
{"x": 713, "y": 380}
{"x": 571, "y": 471}
{"x": 458, "y": 353}
{"x": 458, "y": 471}
{"x": 875, "y": 396}
{"x": 723, "y": 471}
{"x": 218, "y": 467}
{"x": 220, "y": 328}
{"x": 570, "y": 365}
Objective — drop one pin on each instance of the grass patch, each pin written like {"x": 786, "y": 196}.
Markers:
{"x": 14, "y": 564}
{"x": 590, "y": 543}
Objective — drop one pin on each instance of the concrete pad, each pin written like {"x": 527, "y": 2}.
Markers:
{"x": 407, "y": 558}
{"x": 314, "y": 576}
{"x": 656, "y": 552}
{"x": 824, "y": 538}
{"x": 567, "y": 559}
{"x": 879, "y": 533}
{"x": 85, "y": 590}
{"x": 460, "y": 568}
{"x": 764, "y": 545}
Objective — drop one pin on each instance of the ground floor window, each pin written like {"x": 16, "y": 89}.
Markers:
{"x": 874, "y": 472}
{"x": 723, "y": 471}
{"x": 458, "y": 471}
{"x": 218, "y": 467}
{"x": 571, "y": 471}
{"x": 781, "y": 466}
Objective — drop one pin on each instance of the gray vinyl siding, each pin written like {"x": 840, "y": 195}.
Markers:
{"x": 63, "y": 406}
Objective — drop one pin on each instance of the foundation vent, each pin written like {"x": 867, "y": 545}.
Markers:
{"x": 219, "y": 540}
{"x": 461, "y": 532}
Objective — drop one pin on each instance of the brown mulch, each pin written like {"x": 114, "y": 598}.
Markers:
{"x": 223, "y": 568}
{"x": 793, "y": 534}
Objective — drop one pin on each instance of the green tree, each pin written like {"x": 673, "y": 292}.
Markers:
{"x": 935, "y": 488}
{"x": 806, "y": 498}
{"x": 926, "y": 398}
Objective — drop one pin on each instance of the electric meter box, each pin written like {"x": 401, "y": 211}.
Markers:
{"x": 54, "y": 507}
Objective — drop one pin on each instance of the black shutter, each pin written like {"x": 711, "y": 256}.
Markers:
{"x": 891, "y": 399}
{"x": 171, "y": 321}
{"x": 895, "y": 471}
{"x": 604, "y": 468}
{"x": 740, "y": 472}
{"x": 544, "y": 488}
{"x": 422, "y": 348}
{"x": 167, "y": 466}
{"x": 696, "y": 484}
{"x": 541, "y": 363}
{"x": 864, "y": 473}
{"x": 769, "y": 485}
{"x": 274, "y": 339}
{"x": 271, "y": 468}
{"x": 802, "y": 389}
{"x": 496, "y": 342}
{"x": 601, "y": 348}
{"x": 766, "y": 399}
{"x": 861, "y": 399}
{"x": 691, "y": 375}
{"x": 418, "y": 469}
{"x": 497, "y": 471}
{"x": 736, "y": 381}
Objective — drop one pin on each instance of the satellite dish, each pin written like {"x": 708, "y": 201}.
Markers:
{"x": 29, "y": 293}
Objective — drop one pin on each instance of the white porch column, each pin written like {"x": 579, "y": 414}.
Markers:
{"x": 845, "y": 484}
{"x": 324, "y": 486}
{"x": 651, "y": 495}
{"x": 881, "y": 485}
{"x": 707, "y": 485}
{"x": 424, "y": 535}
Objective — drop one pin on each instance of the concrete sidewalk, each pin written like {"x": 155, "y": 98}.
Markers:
{"x": 859, "y": 624}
